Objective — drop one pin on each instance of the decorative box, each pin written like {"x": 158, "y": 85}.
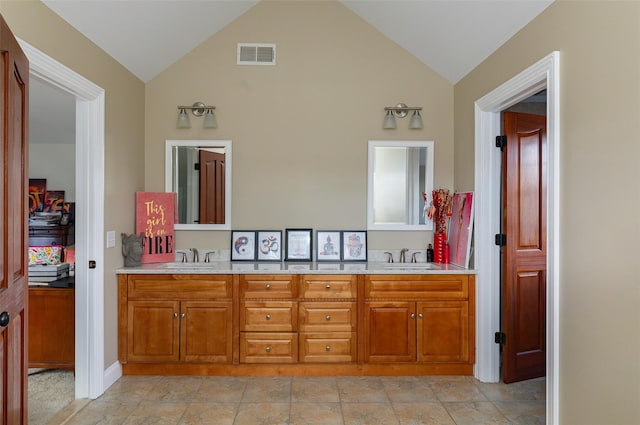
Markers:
{"x": 45, "y": 254}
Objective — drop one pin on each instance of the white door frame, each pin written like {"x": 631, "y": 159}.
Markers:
{"x": 543, "y": 74}
{"x": 89, "y": 221}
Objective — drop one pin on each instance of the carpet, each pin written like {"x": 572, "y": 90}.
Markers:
{"x": 50, "y": 390}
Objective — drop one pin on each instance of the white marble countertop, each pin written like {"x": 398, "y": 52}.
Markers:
{"x": 244, "y": 267}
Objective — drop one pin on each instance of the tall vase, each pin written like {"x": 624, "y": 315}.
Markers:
{"x": 439, "y": 240}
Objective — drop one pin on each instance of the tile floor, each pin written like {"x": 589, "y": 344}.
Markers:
{"x": 315, "y": 400}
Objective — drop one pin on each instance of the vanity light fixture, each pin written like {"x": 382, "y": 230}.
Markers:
{"x": 198, "y": 109}
{"x": 401, "y": 110}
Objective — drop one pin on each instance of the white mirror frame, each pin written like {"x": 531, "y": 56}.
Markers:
{"x": 428, "y": 182}
{"x": 168, "y": 182}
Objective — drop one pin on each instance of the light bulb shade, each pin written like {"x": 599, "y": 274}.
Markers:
{"x": 389, "y": 121}
{"x": 210, "y": 120}
{"x": 416, "y": 121}
{"x": 183, "y": 120}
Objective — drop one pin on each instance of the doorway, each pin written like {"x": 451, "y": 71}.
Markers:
{"x": 541, "y": 75}
{"x": 89, "y": 222}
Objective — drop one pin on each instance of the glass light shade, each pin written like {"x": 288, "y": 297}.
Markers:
{"x": 183, "y": 120}
{"x": 416, "y": 121}
{"x": 389, "y": 121}
{"x": 210, "y": 120}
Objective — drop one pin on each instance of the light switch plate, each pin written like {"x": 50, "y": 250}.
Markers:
{"x": 111, "y": 239}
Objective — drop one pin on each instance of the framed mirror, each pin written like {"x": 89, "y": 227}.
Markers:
{"x": 399, "y": 172}
{"x": 199, "y": 171}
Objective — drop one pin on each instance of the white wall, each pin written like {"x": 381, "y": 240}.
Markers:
{"x": 57, "y": 164}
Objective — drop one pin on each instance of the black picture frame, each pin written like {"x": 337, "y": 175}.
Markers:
{"x": 298, "y": 244}
{"x": 354, "y": 245}
{"x": 269, "y": 245}
{"x": 328, "y": 245}
{"x": 243, "y": 245}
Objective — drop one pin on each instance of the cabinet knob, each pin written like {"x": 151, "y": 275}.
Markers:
{"x": 268, "y": 316}
{"x": 5, "y": 318}
{"x": 267, "y": 286}
{"x": 175, "y": 315}
{"x": 268, "y": 349}
{"x": 327, "y": 348}
{"x": 420, "y": 315}
{"x": 182, "y": 316}
{"x": 327, "y": 317}
{"x": 327, "y": 286}
{"x": 413, "y": 315}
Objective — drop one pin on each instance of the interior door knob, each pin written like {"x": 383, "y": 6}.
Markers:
{"x": 4, "y": 319}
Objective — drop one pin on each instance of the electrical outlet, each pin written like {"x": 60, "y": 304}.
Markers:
{"x": 111, "y": 238}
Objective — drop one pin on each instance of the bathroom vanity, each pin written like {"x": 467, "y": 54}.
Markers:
{"x": 296, "y": 319}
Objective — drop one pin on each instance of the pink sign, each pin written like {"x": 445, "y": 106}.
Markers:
{"x": 155, "y": 217}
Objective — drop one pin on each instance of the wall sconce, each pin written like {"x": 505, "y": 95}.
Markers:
{"x": 401, "y": 110}
{"x": 198, "y": 109}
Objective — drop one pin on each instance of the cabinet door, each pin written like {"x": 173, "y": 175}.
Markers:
{"x": 443, "y": 331}
{"x": 390, "y": 332}
{"x": 206, "y": 331}
{"x": 152, "y": 334}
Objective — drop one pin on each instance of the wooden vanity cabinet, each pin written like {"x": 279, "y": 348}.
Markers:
{"x": 176, "y": 318}
{"x": 419, "y": 318}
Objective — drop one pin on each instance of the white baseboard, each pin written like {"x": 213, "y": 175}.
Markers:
{"x": 111, "y": 375}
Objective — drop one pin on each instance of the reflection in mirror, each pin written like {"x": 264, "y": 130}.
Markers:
{"x": 399, "y": 173}
{"x": 199, "y": 171}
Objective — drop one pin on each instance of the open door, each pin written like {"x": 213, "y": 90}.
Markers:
{"x": 524, "y": 274}
{"x": 13, "y": 215}
{"x": 212, "y": 186}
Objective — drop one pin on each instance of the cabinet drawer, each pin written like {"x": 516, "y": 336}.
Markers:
{"x": 268, "y": 347}
{"x": 417, "y": 286}
{"x": 268, "y": 286}
{"x": 329, "y": 286}
{"x": 179, "y": 286}
{"x": 328, "y": 316}
{"x": 273, "y": 316}
{"x": 336, "y": 347}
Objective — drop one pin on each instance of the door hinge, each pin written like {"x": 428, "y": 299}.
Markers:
{"x": 501, "y": 239}
{"x": 501, "y": 142}
{"x": 500, "y": 338}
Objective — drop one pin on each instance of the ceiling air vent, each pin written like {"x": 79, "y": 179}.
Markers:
{"x": 256, "y": 54}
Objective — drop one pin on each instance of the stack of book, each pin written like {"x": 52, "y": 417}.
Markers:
{"x": 48, "y": 272}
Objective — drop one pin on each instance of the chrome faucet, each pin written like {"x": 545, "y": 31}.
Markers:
{"x": 390, "y": 257}
{"x": 195, "y": 254}
{"x": 402, "y": 252}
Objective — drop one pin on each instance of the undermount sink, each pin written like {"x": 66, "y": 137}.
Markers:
{"x": 408, "y": 266}
{"x": 181, "y": 265}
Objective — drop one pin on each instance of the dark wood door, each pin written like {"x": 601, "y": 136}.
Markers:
{"x": 13, "y": 215}
{"x": 524, "y": 256}
{"x": 212, "y": 186}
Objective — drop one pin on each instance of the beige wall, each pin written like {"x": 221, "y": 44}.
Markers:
{"x": 300, "y": 128}
{"x": 599, "y": 44}
{"x": 124, "y": 131}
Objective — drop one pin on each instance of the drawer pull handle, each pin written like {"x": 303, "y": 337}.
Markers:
{"x": 327, "y": 317}
{"x": 267, "y": 286}
{"x": 268, "y": 317}
{"x": 268, "y": 349}
{"x": 328, "y": 348}
{"x": 413, "y": 315}
{"x": 327, "y": 286}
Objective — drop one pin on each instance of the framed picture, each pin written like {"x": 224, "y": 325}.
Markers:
{"x": 269, "y": 244}
{"x": 354, "y": 245}
{"x": 328, "y": 245}
{"x": 243, "y": 245}
{"x": 298, "y": 242}
{"x": 460, "y": 227}
{"x": 53, "y": 201}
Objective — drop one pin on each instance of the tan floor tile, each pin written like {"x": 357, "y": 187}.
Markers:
{"x": 475, "y": 413}
{"x": 365, "y": 389}
{"x": 263, "y": 414}
{"x": 130, "y": 388}
{"x": 209, "y": 414}
{"x": 221, "y": 389}
{"x": 407, "y": 389}
{"x": 457, "y": 391}
{"x": 523, "y": 412}
{"x": 426, "y": 413}
{"x": 526, "y": 390}
{"x": 316, "y": 414}
{"x": 264, "y": 390}
{"x": 368, "y": 414}
{"x": 103, "y": 412}
{"x": 175, "y": 388}
{"x": 156, "y": 413}
{"x": 315, "y": 390}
